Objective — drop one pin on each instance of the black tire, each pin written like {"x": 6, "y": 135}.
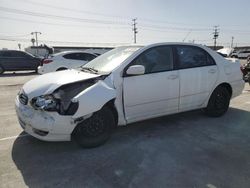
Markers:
{"x": 218, "y": 103}
{"x": 95, "y": 130}
{"x": 1, "y": 70}
{"x": 61, "y": 68}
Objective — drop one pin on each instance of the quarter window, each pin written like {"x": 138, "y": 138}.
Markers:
{"x": 190, "y": 57}
{"x": 157, "y": 59}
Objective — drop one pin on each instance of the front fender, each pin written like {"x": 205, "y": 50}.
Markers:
{"x": 93, "y": 98}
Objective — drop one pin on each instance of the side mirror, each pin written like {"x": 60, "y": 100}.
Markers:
{"x": 135, "y": 70}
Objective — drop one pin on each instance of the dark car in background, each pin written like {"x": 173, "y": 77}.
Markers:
{"x": 14, "y": 60}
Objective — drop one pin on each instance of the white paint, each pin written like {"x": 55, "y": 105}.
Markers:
{"x": 58, "y": 61}
{"x": 13, "y": 137}
{"x": 145, "y": 96}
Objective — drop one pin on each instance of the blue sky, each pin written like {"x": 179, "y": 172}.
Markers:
{"x": 108, "y": 22}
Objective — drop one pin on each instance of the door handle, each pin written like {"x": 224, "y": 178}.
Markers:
{"x": 212, "y": 71}
{"x": 173, "y": 77}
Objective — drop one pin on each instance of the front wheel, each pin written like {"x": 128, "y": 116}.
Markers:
{"x": 95, "y": 130}
{"x": 218, "y": 103}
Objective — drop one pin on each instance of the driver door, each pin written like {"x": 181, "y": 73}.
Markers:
{"x": 156, "y": 92}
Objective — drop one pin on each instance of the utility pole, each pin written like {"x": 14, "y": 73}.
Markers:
{"x": 216, "y": 35}
{"x": 232, "y": 42}
{"x": 134, "y": 29}
{"x": 35, "y": 33}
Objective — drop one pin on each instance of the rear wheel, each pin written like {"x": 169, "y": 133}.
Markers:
{"x": 218, "y": 103}
{"x": 95, "y": 130}
{"x": 1, "y": 70}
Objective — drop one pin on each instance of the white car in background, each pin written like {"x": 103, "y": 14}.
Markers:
{"x": 126, "y": 85}
{"x": 243, "y": 54}
{"x": 65, "y": 60}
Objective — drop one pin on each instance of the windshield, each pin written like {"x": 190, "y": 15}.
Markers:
{"x": 107, "y": 62}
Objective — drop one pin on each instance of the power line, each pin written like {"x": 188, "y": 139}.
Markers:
{"x": 63, "y": 42}
{"x": 134, "y": 29}
{"x": 74, "y": 10}
{"x": 64, "y": 25}
{"x": 24, "y": 12}
{"x": 174, "y": 28}
{"x": 187, "y": 36}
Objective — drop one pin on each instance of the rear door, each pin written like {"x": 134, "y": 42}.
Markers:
{"x": 198, "y": 74}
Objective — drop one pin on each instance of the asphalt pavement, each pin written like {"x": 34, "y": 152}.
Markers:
{"x": 183, "y": 150}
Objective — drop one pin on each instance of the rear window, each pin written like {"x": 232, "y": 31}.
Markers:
{"x": 80, "y": 56}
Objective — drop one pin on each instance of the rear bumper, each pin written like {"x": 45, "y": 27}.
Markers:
{"x": 237, "y": 87}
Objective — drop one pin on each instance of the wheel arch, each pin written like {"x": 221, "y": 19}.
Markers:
{"x": 111, "y": 104}
{"x": 227, "y": 86}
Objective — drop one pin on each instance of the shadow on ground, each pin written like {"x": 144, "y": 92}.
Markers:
{"x": 14, "y": 74}
{"x": 184, "y": 150}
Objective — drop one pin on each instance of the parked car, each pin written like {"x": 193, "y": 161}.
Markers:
{"x": 126, "y": 85}
{"x": 13, "y": 60}
{"x": 243, "y": 54}
{"x": 65, "y": 60}
{"x": 225, "y": 52}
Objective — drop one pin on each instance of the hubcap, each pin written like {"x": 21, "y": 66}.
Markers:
{"x": 220, "y": 101}
{"x": 93, "y": 126}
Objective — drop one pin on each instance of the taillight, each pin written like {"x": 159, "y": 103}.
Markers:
{"x": 46, "y": 61}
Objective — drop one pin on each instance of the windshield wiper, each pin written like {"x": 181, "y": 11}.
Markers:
{"x": 90, "y": 69}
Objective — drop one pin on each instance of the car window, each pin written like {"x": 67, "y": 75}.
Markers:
{"x": 191, "y": 56}
{"x": 6, "y": 54}
{"x": 112, "y": 59}
{"x": 74, "y": 56}
{"x": 18, "y": 54}
{"x": 89, "y": 57}
{"x": 86, "y": 57}
{"x": 79, "y": 56}
{"x": 157, "y": 59}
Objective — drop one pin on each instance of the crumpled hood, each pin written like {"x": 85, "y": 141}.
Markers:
{"x": 47, "y": 83}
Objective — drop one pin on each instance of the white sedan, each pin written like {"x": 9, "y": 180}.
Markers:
{"x": 65, "y": 60}
{"x": 126, "y": 85}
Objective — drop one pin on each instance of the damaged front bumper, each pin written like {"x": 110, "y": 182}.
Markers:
{"x": 47, "y": 126}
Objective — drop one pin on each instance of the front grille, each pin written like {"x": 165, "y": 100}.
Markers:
{"x": 23, "y": 99}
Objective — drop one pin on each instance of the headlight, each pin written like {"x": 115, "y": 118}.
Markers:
{"x": 45, "y": 102}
